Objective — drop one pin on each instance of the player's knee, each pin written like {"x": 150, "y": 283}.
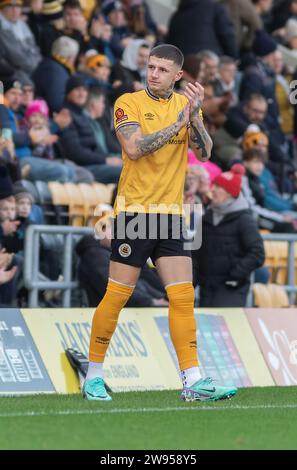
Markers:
{"x": 119, "y": 293}
{"x": 180, "y": 295}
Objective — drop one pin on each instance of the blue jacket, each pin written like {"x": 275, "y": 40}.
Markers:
{"x": 273, "y": 200}
{"x": 50, "y": 79}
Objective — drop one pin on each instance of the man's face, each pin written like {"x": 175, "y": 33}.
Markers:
{"x": 219, "y": 195}
{"x": 14, "y": 98}
{"x": 28, "y": 95}
{"x": 256, "y": 111}
{"x": 266, "y": 5}
{"x": 12, "y": 13}
{"x": 227, "y": 73}
{"x": 269, "y": 59}
{"x": 98, "y": 107}
{"x": 102, "y": 72}
{"x": 142, "y": 58}
{"x": 255, "y": 166}
{"x": 72, "y": 17}
{"x": 211, "y": 69}
{"x": 162, "y": 75}
{"x": 78, "y": 96}
{"x": 117, "y": 18}
{"x": 24, "y": 207}
{"x": 7, "y": 209}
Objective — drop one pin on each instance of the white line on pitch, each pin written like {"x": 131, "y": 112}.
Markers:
{"x": 145, "y": 410}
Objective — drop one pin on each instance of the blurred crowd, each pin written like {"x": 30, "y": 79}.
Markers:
{"x": 64, "y": 63}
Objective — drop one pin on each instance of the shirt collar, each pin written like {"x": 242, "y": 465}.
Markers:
{"x": 157, "y": 98}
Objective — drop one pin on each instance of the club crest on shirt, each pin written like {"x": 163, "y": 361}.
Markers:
{"x": 125, "y": 250}
{"x": 120, "y": 115}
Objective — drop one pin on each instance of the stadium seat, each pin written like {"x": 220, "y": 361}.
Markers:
{"x": 77, "y": 209}
{"x": 262, "y": 297}
{"x": 45, "y": 196}
{"x": 90, "y": 200}
{"x": 59, "y": 194}
{"x": 30, "y": 187}
{"x": 278, "y": 295}
{"x": 104, "y": 192}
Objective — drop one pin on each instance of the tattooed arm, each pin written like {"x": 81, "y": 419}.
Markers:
{"x": 200, "y": 141}
{"x": 137, "y": 145}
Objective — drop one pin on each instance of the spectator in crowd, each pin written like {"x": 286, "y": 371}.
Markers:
{"x": 23, "y": 201}
{"x": 227, "y": 140}
{"x": 231, "y": 246}
{"x": 7, "y": 155}
{"x": 94, "y": 265}
{"x": 97, "y": 70}
{"x": 141, "y": 22}
{"x": 264, "y": 9}
{"x": 202, "y": 24}
{"x": 51, "y": 75}
{"x": 24, "y": 139}
{"x": 216, "y": 101}
{"x": 106, "y": 144}
{"x": 17, "y": 43}
{"x": 10, "y": 264}
{"x": 47, "y": 25}
{"x": 193, "y": 71}
{"x": 259, "y": 78}
{"x": 289, "y": 47}
{"x": 78, "y": 140}
{"x": 114, "y": 14}
{"x": 130, "y": 72}
{"x": 283, "y": 94}
{"x": 254, "y": 160}
{"x": 226, "y": 82}
{"x": 246, "y": 21}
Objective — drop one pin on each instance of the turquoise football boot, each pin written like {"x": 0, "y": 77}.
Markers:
{"x": 94, "y": 389}
{"x": 205, "y": 390}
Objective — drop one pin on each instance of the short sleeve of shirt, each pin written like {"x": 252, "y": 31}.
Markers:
{"x": 125, "y": 111}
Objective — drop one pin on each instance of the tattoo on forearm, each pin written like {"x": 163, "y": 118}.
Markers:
{"x": 201, "y": 139}
{"x": 150, "y": 143}
{"x": 128, "y": 131}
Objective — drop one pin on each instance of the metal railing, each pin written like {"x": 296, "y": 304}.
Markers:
{"x": 32, "y": 260}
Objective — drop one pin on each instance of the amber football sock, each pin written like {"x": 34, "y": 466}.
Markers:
{"x": 106, "y": 317}
{"x": 182, "y": 324}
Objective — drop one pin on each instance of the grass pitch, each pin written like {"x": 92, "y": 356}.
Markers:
{"x": 257, "y": 418}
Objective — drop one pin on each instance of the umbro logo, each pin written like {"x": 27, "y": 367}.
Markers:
{"x": 149, "y": 116}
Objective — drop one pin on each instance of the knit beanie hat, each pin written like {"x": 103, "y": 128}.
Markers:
{"x": 253, "y": 136}
{"x": 231, "y": 180}
{"x": 20, "y": 192}
{"x": 264, "y": 44}
{"x": 109, "y": 5}
{"x": 51, "y": 10}
{"x": 74, "y": 81}
{"x": 9, "y": 83}
{"x": 10, "y": 3}
{"x": 96, "y": 60}
{"x": 37, "y": 106}
{"x": 6, "y": 188}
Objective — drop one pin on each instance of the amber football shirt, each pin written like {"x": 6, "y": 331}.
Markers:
{"x": 156, "y": 179}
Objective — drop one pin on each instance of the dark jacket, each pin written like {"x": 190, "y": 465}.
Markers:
{"x": 237, "y": 123}
{"x": 202, "y": 24}
{"x": 93, "y": 275}
{"x": 260, "y": 79}
{"x": 78, "y": 140}
{"x": 50, "y": 79}
{"x": 231, "y": 250}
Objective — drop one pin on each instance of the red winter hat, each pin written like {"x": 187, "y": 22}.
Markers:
{"x": 231, "y": 180}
